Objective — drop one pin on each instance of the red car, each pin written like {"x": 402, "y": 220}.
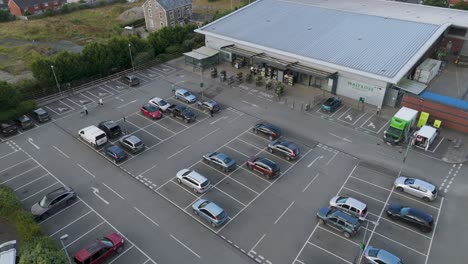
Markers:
{"x": 264, "y": 166}
{"x": 151, "y": 111}
{"x": 101, "y": 250}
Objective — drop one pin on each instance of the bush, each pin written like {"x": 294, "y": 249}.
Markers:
{"x": 174, "y": 49}
{"x": 42, "y": 250}
{"x": 26, "y": 226}
{"x": 25, "y": 107}
{"x": 9, "y": 204}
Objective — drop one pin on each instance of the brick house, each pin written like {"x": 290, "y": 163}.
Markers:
{"x": 454, "y": 2}
{"x": 20, "y": 7}
{"x": 163, "y": 13}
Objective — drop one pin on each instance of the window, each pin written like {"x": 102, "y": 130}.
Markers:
{"x": 187, "y": 11}
{"x": 150, "y": 12}
{"x": 171, "y": 14}
{"x": 160, "y": 15}
{"x": 178, "y": 13}
{"x": 172, "y": 23}
{"x": 162, "y": 24}
{"x": 150, "y": 4}
{"x": 46, "y": 4}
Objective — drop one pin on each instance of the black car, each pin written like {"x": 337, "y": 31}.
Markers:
{"x": 331, "y": 104}
{"x": 209, "y": 105}
{"x": 411, "y": 216}
{"x": 116, "y": 153}
{"x": 53, "y": 202}
{"x": 270, "y": 130}
{"x": 8, "y": 128}
{"x": 41, "y": 115}
{"x": 24, "y": 122}
{"x": 284, "y": 148}
{"x": 111, "y": 128}
{"x": 132, "y": 143}
{"x": 130, "y": 80}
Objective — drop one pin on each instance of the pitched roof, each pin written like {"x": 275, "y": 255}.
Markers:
{"x": 378, "y": 47}
{"x": 171, "y": 4}
{"x": 25, "y": 3}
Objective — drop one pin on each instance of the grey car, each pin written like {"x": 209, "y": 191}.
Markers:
{"x": 378, "y": 256}
{"x": 132, "y": 143}
{"x": 350, "y": 205}
{"x": 416, "y": 187}
{"x": 220, "y": 160}
{"x": 185, "y": 95}
{"x": 210, "y": 211}
{"x": 194, "y": 180}
{"x": 53, "y": 202}
{"x": 339, "y": 220}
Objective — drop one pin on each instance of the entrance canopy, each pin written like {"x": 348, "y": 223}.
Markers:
{"x": 239, "y": 51}
{"x": 202, "y": 57}
{"x": 411, "y": 86}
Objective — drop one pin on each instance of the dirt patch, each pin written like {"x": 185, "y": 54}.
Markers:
{"x": 7, "y": 231}
{"x": 11, "y": 78}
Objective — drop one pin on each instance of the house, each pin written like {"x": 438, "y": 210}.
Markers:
{"x": 163, "y": 13}
{"x": 31, "y": 7}
{"x": 454, "y": 2}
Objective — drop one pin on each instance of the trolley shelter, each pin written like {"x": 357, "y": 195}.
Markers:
{"x": 203, "y": 57}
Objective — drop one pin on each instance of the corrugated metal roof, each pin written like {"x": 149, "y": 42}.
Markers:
{"x": 377, "y": 45}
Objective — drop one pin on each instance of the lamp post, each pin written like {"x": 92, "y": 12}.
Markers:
{"x": 56, "y": 81}
{"x": 201, "y": 80}
{"x": 131, "y": 57}
{"x": 124, "y": 123}
{"x": 362, "y": 245}
{"x": 62, "y": 238}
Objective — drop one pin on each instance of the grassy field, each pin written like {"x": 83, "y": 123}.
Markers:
{"x": 205, "y": 6}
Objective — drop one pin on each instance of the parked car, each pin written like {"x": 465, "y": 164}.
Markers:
{"x": 264, "y": 166}
{"x": 339, "y": 220}
{"x": 411, "y": 216}
{"x": 130, "y": 80}
{"x": 24, "y": 122}
{"x": 210, "y": 211}
{"x": 160, "y": 103}
{"x": 151, "y": 111}
{"x": 284, "y": 148}
{"x": 379, "y": 256}
{"x": 194, "y": 180}
{"x": 416, "y": 187}
{"x": 331, "y": 104}
{"x": 111, "y": 128}
{"x": 8, "y": 252}
{"x": 41, "y": 115}
{"x": 93, "y": 135}
{"x": 221, "y": 160}
{"x": 349, "y": 205}
{"x": 185, "y": 96}
{"x": 132, "y": 143}
{"x": 270, "y": 130}
{"x": 53, "y": 202}
{"x": 116, "y": 153}
{"x": 181, "y": 112}
{"x": 209, "y": 105}
{"x": 8, "y": 128}
{"x": 101, "y": 250}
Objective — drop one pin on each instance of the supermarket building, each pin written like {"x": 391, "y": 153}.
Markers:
{"x": 368, "y": 50}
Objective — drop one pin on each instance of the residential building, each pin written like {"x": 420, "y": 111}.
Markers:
{"x": 32, "y": 7}
{"x": 163, "y": 13}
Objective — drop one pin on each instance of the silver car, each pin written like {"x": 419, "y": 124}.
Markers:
{"x": 349, "y": 205}
{"x": 376, "y": 256}
{"x": 416, "y": 187}
{"x": 194, "y": 180}
{"x": 53, "y": 202}
{"x": 132, "y": 143}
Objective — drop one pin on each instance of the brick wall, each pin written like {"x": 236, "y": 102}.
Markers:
{"x": 451, "y": 117}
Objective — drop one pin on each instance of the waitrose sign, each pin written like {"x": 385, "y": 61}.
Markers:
{"x": 356, "y": 90}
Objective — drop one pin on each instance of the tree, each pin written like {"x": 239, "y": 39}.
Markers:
{"x": 279, "y": 90}
{"x": 461, "y": 5}
{"x": 68, "y": 66}
{"x": 438, "y": 3}
{"x": 9, "y": 96}
{"x": 42, "y": 72}
{"x": 97, "y": 58}
{"x": 5, "y": 16}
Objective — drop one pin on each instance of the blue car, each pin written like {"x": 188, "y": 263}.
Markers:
{"x": 210, "y": 211}
{"x": 116, "y": 153}
{"x": 331, "y": 104}
{"x": 220, "y": 160}
{"x": 270, "y": 130}
{"x": 185, "y": 95}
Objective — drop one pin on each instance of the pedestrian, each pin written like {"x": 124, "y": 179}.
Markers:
{"x": 100, "y": 101}
{"x": 85, "y": 110}
{"x": 211, "y": 112}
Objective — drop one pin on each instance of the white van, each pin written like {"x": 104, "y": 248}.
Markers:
{"x": 93, "y": 135}
{"x": 8, "y": 252}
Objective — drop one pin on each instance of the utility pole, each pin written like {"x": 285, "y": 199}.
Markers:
{"x": 131, "y": 57}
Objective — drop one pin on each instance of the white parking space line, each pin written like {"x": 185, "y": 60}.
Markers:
{"x": 385, "y": 125}
{"x": 189, "y": 249}
{"x": 329, "y": 252}
{"x": 112, "y": 190}
{"x": 87, "y": 232}
{"x": 230, "y": 196}
{"x": 328, "y": 163}
{"x": 416, "y": 200}
{"x": 200, "y": 139}
{"x": 433, "y": 232}
{"x": 344, "y": 113}
{"x": 249, "y": 143}
{"x": 253, "y": 173}
{"x": 218, "y": 119}
{"x": 109, "y": 92}
{"x": 249, "y": 131}
{"x": 186, "y": 147}
{"x": 38, "y": 192}
{"x": 79, "y": 165}
{"x": 312, "y": 163}
{"x": 71, "y": 223}
{"x": 121, "y": 254}
{"x": 243, "y": 154}
{"x": 402, "y": 226}
{"x": 401, "y": 244}
{"x": 90, "y": 99}
{"x": 256, "y": 244}
{"x": 131, "y": 102}
{"x": 53, "y": 110}
{"x": 63, "y": 153}
{"x": 58, "y": 213}
{"x": 307, "y": 186}
{"x": 31, "y": 182}
{"x": 72, "y": 102}
{"x": 342, "y": 237}
{"x": 180, "y": 186}
{"x": 370, "y": 183}
{"x": 437, "y": 145}
{"x": 108, "y": 86}
{"x": 156, "y": 122}
{"x": 300, "y": 261}
{"x": 16, "y": 176}
{"x": 8, "y": 154}
{"x": 147, "y": 217}
{"x": 234, "y": 119}
{"x": 146, "y": 261}
{"x": 287, "y": 208}
{"x": 148, "y": 170}
{"x": 370, "y": 197}
{"x": 14, "y": 165}
{"x": 143, "y": 129}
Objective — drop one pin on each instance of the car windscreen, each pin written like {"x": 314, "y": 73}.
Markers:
{"x": 162, "y": 103}
{"x": 152, "y": 108}
{"x": 139, "y": 143}
{"x": 394, "y": 132}
{"x": 101, "y": 136}
{"x": 44, "y": 203}
{"x": 107, "y": 242}
{"x": 187, "y": 112}
{"x": 114, "y": 129}
{"x": 187, "y": 94}
{"x": 227, "y": 160}
{"x": 205, "y": 183}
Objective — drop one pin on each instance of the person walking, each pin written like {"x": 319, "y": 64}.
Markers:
{"x": 211, "y": 112}
{"x": 85, "y": 110}
{"x": 101, "y": 102}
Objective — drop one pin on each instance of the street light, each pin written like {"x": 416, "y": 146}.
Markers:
{"x": 62, "y": 238}
{"x": 124, "y": 123}
{"x": 362, "y": 245}
{"x": 56, "y": 81}
{"x": 201, "y": 79}
{"x": 131, "y": 57}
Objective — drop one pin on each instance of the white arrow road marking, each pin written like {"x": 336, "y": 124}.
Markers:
{"x": 118, "y": 98}
{"x": 312, "y": 163}
{"x": 96, "y": 192}
{"x": 349, "y": 117}
{"x": 131, "y": 102}
{"x": 30, "y": 140}
{"x": 245, "y": 102}
{"x": 60, "y": 109}
{"x": 371, "y": 124}
{"x": 345, "y": 139}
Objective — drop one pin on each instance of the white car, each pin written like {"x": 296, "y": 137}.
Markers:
{"x": 416, "y": 187}
{"x": 194, "y": 180}
{"x": 160, "y": 103}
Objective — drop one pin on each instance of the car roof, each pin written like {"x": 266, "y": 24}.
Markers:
{"x": 157, "y": 99}
{"x": 424, "y": 184}
{"x": 181, "y": 90}
{"x": 23, "y": 118}
{"x": 132, "y": 138}
{"x": 353, "y": 202}
{"x": 345, "y": 216}
{"x": 221, "y": 156}
{"x": 40, "y": 111}
{"x": 213, "y": 208}
{"x": 268, "y": 162}
{"x": 419, "y": 214}
{"x": 211, "y": 102}
{"x": 115, "y": 148}
{"x": 109, "y": 123}
{"x": 197, "y": 176}
{"x": 387, "y": 257}
{"x": 57, "y": 192}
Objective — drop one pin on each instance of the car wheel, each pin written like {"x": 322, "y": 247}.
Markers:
{"x": 213, "y": 224}
{"x": 426, "y": 199}
{"x": 119, "y": 250}
{"x": 255, "y": 131}
{"x": 250, "y": 166}
{"x": 321, "y": 222}
{"x": 195, "y": 190}
{"x": 206, "y": 161}
{"x": 179, "y": 180}
{"x": 44, "y": 216}
{"x": 270, "y": 150}
{"x": 425, "y": 229}
{"x": 347, "y": 235}
{"x": 399, "y": 189}
{"x": 225, "y": 169}
{"x": 188, "y": 102}
{"x": 288, "y": 158}
{"x": 195, "y": 212}
{"x": 186, "y": 121}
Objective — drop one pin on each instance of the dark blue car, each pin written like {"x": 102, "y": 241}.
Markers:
{"x": 331, "y": 104}
{"x": 411, "y": 216}
{"x": 116, "y": 153}
{"x": 270, "y": 130}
